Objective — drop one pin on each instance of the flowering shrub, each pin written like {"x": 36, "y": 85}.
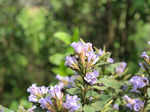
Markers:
{"x": 99, "y": 85}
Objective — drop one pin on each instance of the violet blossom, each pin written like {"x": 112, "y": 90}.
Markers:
{"x": 121, "y": 67}
{"x": 110, "y": 60}
{"x": 81, "y": 47}
{"x": 66, "y": 81}
{"x": 55, "y": 92}
{"x": 144, "y": 55}
{"x": 36, "y": 92}
{"x": 46, "y": 102}
{"x": 71, "y": 103}
{"x": 133, "y": 104}
{"x": 71, "y": 62}
{"x": 100, "y": 52}
{"x": 138, "y": 82}
{"x": 92, "y": 58}
{"x": 91, "y": 77}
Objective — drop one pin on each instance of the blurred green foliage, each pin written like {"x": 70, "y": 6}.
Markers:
{"x": 34, "y": 37}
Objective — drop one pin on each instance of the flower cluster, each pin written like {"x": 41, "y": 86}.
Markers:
{"x": 88, "y": 58}
{"x": 144, "y": 55}
{"x": 138, "y": 82}
{"x": 133, "y": 104}
{"x": 36, "y": 92}
{"x": 85, "y": 54}
{"x": 66, "y": 81}
{"x": 120, "y": 69}
{"x": 52, "y": 98}
{"x": 71, "y": 103}
{"x": 91, "y": 77}
{"x": 88, "y": 88}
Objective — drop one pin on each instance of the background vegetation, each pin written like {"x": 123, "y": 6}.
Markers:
{"x": 35, "y": 34}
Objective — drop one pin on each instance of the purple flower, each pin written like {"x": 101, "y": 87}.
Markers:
{"x": 66, "y": 81}
{"x": 36, "y": 92}
{"x": 63, "y": 81}
{"x": 1, "y": 109}
{"x": 130, "y": 106}
{"x": 110, "y": 60}
{"x": 71, "y": 62}
{"x": 33, "y": 98}
{"x": 116, "y": 106}
{"x": 121, "y": 68}
{"x": 71, "y": 103}
{"x": 91, "y": 98}
{"x": 141, "y": 65}
{"x": 124, "y": 87}
{"x": 100, "y": 52}
{"x": 144, "y": 55}
{"x": 55, "y": 92}
{"x": 138, "y": 105}
{"x": 92, "y": 58}
{"x": 81, "y": 47}
{"x": 128, "y": 99}
{"x": 91, "y": 77}
{"x": 138, "y": 82}
{"x": 78, "y": 46}
{"x": 46, "y": 102}
{"x": 133, "y": 104}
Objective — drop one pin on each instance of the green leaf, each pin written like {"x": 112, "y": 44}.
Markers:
{"x": 66, "y": 38}
{"x": 56, "y": 58}
{"x": 73, "y": 91}
{"x": 76, "y": 35}
{"x": 148, "y": 92}
{"x": 88, "y": 108}
{"x": 92, "y": 93}
{"x": 99, "y": 87}
{"x": 99, "y": 105}
{"x": 110, "y": 82}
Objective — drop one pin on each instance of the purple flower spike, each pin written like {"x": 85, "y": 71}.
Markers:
{"x": 71, "y": 103}
{"x": 63, "y": 81}
{"x": 116, "y": 106}
{"x": 141, "y": 65}
{"x": 71, "y": 62}
{"x": 55, "y": 91}
{"x": 138, "y": 105}
{"x": 110, "y": 60}
{"x": 78, "y": 46}
{"x": 133, "y": 104}
{"x": 36, "y": 92}
{"x": 34, "y": 89}
{"x": 46, "y": 102}
{"x": 66, "y": 81}
{"x": 33, "y": 98}
{"x": 81, "y": 47}
{"x": 128, "y": 99}
{"x": 91, "y": 77}
{"x": 138, "y": 82}
{"x": 144, "y": 55}
{"x": 92, "y": 58}
{"x": 100, "y": 52}
{"x": 121, "y": 68}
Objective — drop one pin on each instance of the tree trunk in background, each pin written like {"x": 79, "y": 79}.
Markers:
{"x": 110, "y": 25}
{"x": 125, "y": 33}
